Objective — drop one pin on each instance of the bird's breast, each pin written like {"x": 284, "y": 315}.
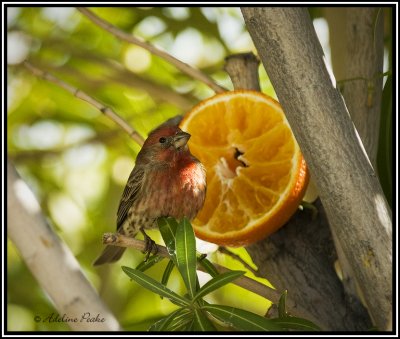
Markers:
{"x": 178, "y": 191}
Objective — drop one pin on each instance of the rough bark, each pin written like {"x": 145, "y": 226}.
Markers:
{"x": 357, "y": 41}
{"x": 243, "y": 71}
{"x": 336, "y": 18}
{"x": 51, "y": 262}
{"x": 364, "y": 58}
{"x": 355, "y": 205}
{"x": 300, "y": 256}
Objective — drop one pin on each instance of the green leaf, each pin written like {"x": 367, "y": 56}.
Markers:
{"x": 185, "y": 244}
{"x": 167, "y": 272}
{"x": 163, "y": 323}
{"x": 241, "y": 319}
{"x": 208, "y": 266}
{"x": 282, "y": 305}
{"x": 182, "y": 322}
{"x": 294, "y": 323}
{"x": 154, "y": 286}
{"x": 217, "y": 282}
{"x": 145, "y": 265}
{"x": 173, "y": 319}
{"x": 384, "y": 156}
{"x": 168, "y": 228}
{"x": 184, "y": 327}
{"x": 201, "y": 322}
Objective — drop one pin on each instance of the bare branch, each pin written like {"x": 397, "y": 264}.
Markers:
{"x": 357, "y": 47}
{"x": 245, "y": 282}
{"x": 225, "y": 251}
{"x": 362, "y": 51}
{"x": 119, "y": 73}
{"x": 50, "y": 261}
{"x": 243, "y": 71}
{"x": 183, "y": 67}
{"x": 350, "y": 191}
{"x": 309, "y": 276}
{"x": 85, "y": 97}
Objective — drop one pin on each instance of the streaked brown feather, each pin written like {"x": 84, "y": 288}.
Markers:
{"x": 130, "y": 194}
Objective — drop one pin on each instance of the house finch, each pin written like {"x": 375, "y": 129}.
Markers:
{"x": 167, "y": 180}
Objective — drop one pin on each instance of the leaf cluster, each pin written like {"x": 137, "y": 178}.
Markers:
{"x": 195, "y": 313}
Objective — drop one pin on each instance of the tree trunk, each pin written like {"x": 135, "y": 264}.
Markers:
{"x": 276, "y": 256}
{"x": 300, "y": 258}
{"x": 349, "y": 189}
{"x": 356, "y": 36}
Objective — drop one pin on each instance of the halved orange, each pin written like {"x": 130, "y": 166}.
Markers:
{"x": 256, "y": 174}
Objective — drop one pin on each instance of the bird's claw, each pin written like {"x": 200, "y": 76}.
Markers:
{"x": 150, "y": 246}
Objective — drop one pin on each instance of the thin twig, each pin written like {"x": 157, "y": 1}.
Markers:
{"x": 224, "y": 250}
{"x": 85, "y": 97}
{"x": 245, "y": 282}
{"x": 185, "y": 68}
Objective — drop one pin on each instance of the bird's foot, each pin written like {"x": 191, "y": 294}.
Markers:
{"x": 150, "y": 245}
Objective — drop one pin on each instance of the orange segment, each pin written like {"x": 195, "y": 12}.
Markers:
{"x": 254, "y": 198}
{"x": 256, "y": 174}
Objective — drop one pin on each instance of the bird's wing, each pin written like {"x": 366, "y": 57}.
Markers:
{"x": 130, "y": 194}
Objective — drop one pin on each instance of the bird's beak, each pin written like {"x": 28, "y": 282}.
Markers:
{"x": 181, "y": 139}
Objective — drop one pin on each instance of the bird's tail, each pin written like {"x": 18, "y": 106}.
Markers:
{"x": 109, "y": 255}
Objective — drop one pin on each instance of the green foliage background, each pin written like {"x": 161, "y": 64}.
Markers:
{"x": 77, "y": 161}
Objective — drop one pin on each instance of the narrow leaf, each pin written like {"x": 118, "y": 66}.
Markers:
{"x": 294, "y": 323}
{"x": 282, "y": 305}
{"x": 384, "y": 157}
{"x": 209, "y": 267}
{"x": 145, "y": 265}
{"x": 201, "y": 322}
{"x": 162, "y": 324}
{"x": 154, "y": 286}
{"x": 217, "y": 282}
{"x": 168, "y": 228}
{"x": 167, "y": 272}
{"x": 185, "y": 247}
{"x": 182, "y": 322}
{"x": 241, "y": 319}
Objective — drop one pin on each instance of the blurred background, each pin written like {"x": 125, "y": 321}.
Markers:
{"x": 77, "y": 161}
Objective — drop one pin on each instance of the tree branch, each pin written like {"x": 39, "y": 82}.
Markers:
{"x": 353, "y": 53}
{"x": 85, "y": 97}
{"x": 183, "y": 67}
{"x": 117, "y": 239}
{"x": 224, "y": 250}
{"x": 364, "y": 58}
{"x": 292, "y": 259}
{"x": 357, "y": 59}
{"x": 244, "y": 282}
{"x": 350, "y": 191}
{"x": 243, "y": 71}
{"x": 50, "y": 261}
{"x": 120, "y": 74}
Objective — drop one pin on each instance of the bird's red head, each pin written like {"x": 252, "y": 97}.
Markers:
{"x": 165, "y": 144}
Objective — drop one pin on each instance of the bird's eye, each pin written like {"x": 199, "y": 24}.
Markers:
{"x": 162, "y": 140}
